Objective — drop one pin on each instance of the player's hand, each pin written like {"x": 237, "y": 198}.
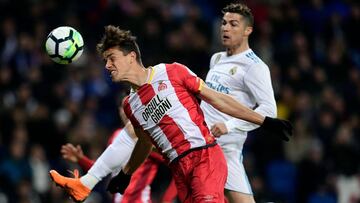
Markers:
{"x": 219, "y": 129}
{"x": 119, "y": 183}
{"x": 71, "y": 153}
{"x": 278, "y": 127}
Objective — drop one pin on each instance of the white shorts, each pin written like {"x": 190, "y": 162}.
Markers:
{"x": 232, "y": 145}
{"x": 237, "y": 179}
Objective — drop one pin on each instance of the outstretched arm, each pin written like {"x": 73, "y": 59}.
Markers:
{"x": 75, "y": 154}
{"x": 229, "y": 105}
{"x": 257, "y": 81}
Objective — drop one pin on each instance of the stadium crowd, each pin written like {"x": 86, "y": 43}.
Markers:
{"x": 310, "y": 47}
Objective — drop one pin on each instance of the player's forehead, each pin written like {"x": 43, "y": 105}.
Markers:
{"x": 228, "y": 16}
{"x": 111, "y": 51}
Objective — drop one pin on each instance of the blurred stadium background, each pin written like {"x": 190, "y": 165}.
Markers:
{"x": 310, "y": 46}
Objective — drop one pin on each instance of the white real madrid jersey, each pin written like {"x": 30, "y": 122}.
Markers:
{"x": 245, "y": 77}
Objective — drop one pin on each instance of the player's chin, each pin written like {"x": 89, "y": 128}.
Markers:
{"x": 226, "y": 42}
{"x": 114, "y": 78}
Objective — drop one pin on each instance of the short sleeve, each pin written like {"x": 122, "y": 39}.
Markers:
{"x": 189, "y": 79}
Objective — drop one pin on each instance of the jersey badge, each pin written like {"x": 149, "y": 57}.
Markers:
{"x": 162, "y": 86}
{"x": 233, "y": 70}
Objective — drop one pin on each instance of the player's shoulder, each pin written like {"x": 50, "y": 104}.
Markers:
{"x": 176, "y": 68}
{"x": 170, "y": 70}
{"x": 215, "y": 58}
{"x": 218, "y": 54}
{"x": 175, "y": 65}
{"x": 159, "y": 70}
{"x": 168, "y": 66}
{"x": 252, "y": 60}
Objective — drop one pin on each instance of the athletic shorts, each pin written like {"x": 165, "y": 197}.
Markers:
{"x": 237, "y": 179}
{"x": 200, "y": 176}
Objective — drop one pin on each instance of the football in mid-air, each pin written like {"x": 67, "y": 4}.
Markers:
{"x": 64, "y": 45}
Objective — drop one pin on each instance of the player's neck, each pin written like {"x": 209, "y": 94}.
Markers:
{"x": 237, "y": 49}
{"x": 138, "y": 76}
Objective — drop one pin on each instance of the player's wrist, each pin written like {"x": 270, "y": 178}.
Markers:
{"x": 281, "y": 128}
{"x": 268, "y": 123}
{"x": 80, "y": 157}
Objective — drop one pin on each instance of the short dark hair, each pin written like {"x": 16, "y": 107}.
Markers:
{"x": 122, "y": 39}
{"x": 241, "y": 9}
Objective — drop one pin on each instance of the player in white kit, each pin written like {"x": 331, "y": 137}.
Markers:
{"x": 240, "y": 73}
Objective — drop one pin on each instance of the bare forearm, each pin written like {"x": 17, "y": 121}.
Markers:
{"x": 233, "y": 108}
{"x": 230, "y": 106}
{"x": 140, "y": 153}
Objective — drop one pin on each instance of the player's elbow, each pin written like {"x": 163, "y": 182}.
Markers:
{"x": 269, "y": 110}
{"x": 272, "y": 112}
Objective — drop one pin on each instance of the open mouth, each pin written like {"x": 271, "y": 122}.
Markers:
{"x": 111, "y": 72}
{"x": 225, "y": 37}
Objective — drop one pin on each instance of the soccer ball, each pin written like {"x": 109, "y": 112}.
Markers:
{"x": 64, "y": 45}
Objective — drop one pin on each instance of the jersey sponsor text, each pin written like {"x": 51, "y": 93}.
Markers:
{"x": 156, "y": 109}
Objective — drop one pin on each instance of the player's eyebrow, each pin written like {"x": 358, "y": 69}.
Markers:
{"x": 231, "y": 21}
{"x": 107, "y": 55}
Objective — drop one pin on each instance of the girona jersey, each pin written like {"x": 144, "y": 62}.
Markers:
{"x": 167, "y": 110}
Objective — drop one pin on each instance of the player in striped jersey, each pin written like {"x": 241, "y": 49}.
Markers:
{"x": 139, "y": 189}
{"x": 164, "y": 111}
{"x": 240, "y": 73}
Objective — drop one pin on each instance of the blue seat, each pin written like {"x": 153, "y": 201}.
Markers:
{"x": 281, "y": 179}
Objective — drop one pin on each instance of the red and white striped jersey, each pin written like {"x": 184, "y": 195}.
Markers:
{"x": 167, "y": 110}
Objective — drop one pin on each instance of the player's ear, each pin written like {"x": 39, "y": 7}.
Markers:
{"x": 248, "y": 30}
{"x": 132, "y": 57}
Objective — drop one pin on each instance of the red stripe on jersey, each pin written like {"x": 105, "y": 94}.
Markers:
{"x": 134, "y": 121}
{"x": 195, "y": 112}
{"x": 174, "y": 135}
{"x": 129, "y": 114}
{"x": 147, "y": 93}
